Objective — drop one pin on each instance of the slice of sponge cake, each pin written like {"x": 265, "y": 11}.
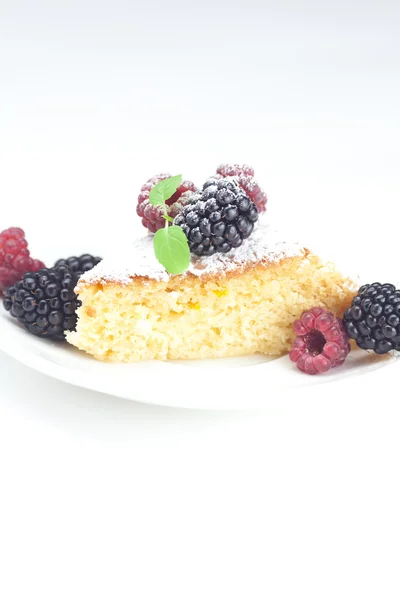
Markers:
{"x": 230, "y": 304}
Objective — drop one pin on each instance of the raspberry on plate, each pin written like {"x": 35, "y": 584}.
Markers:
{"x": 15, "y": 259}
{"x": 321, "y": 342}
{"x": 152, "y": 216}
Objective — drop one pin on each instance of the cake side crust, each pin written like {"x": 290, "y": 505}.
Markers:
{"x": 205, "y": 275}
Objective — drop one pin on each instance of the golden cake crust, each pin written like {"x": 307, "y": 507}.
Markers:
{"x": 264, "y": 247}
{"x": 238, "y": 269}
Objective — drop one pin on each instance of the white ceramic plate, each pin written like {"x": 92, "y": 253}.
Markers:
{"x": 208, "y": 384}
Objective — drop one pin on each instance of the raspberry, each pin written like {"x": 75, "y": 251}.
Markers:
{"x": 15, "y": 259}
{"x": 152, "y": 216}
{"x": 218, "y": 219}
{"x": 246, "y": 180}
{"x": 373, "y": 320}
{"x": 37, "y": 265}
{"x": 233, "y": 170}
{"x": 254, "y": 192}
{"x": 321, "y": 342}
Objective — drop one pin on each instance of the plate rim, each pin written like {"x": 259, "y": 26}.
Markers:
{"x": 144, "y": 393}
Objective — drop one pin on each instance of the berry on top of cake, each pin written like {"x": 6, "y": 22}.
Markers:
{"x": 247, "y": 181}
{"x": 152, "y": 216}
{"x": 218, "y": 219}
{"x": 209, "y": 285}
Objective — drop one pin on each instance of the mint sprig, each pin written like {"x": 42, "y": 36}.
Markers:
{"x": 170, "y": 243}
{"x": 164, "y": 189}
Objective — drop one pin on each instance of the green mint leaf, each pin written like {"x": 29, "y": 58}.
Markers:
{"x": 163, "y": 190}
{"x": 172, "y": 249}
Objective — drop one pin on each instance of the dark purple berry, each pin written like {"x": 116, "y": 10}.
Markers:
{"x": 219, "y": 220}
{"x": 45, "y": 301}
{"x": 373, "y": 320}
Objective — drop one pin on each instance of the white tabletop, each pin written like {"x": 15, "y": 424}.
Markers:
{"x": 106, "y": 498}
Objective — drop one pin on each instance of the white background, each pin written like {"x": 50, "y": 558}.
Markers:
{"x": 105, "y": 498}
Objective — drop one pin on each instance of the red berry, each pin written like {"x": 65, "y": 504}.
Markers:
{"x": 152, "y": 216}
{"x": 308, "y": 321}
{"x": 254, "y": 192}
{"x": 321, "y": 363}
{"x": 324, "y": 321}
{"x": 299, "y": 328}
{"x": 22, "y": 261}
{"x": 321, "y": 342}
{"x": 7, "y": 277}
{"x": 246, "y": 180}
{"x": 233, "y": 170}
{"x": 332, "y": 350}
{"x": 15, "y": 259}
{"x": 37, "y": 265}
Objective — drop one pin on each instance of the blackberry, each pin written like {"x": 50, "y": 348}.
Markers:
{"x": 218, "y": 219}
{"x": 79, "y": 265}
{"x": 45, "y": 301}
{"x": 373, "y": 320}
{"x": 245, "y": 178}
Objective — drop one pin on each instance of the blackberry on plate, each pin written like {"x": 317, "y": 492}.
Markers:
{"x": 79, "y": 265}
{"x": 45, "y": 301}
{"x": 218, "y": 219}
{"x": 373, "y": 320}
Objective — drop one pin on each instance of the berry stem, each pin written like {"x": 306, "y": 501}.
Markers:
{"x": 166, "y": 215}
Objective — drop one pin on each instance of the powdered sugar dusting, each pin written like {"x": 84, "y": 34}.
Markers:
{"x": 264, "y": 245}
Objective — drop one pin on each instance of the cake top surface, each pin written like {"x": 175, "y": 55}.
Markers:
{"x": 138, "y": 260}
